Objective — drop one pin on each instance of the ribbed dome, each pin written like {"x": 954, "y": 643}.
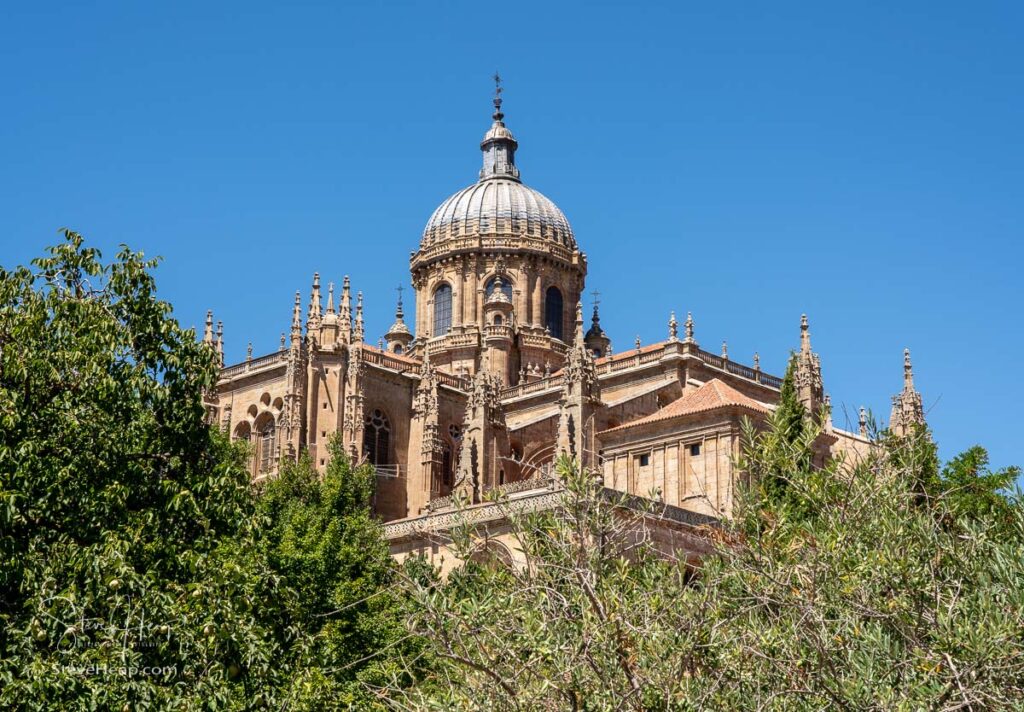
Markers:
{"x": 500, "y": 207}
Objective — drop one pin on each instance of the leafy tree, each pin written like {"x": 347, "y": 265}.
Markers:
{"x": 863, "y": 599}
{"x": 791, "y": 413}
{"x": 340, "y": 620}
{"x": 117, "y": 502}
{"x": 975, "y": 492}
{"x": 778, "y": 458}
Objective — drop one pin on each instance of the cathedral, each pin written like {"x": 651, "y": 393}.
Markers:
{"x": 495, "y": 375}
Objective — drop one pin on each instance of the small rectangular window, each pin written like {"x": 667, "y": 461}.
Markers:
{"x": 325, "y": 406}
{"x": 645, "y": 460}
{"x": 695, "y": 449}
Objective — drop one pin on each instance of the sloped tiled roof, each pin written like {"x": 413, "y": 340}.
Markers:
{"x": 712, "y": 395}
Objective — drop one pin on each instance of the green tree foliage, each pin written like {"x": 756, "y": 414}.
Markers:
{"x": 867, "y": 598}
{"x": 137, "y": 569}
{"x": 341, "y": 617}
{"x": 976, "y": 493}
{"x": 778, "y": 459}
{"x": 116, "y": 500}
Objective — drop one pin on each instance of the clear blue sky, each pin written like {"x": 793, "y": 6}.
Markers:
{"x": 861, "y": 162}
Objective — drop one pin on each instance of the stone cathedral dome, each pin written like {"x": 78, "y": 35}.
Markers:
{"x": 498, "y": 204}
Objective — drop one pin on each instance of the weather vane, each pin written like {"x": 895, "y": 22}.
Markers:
{"x": 497, "y": 97}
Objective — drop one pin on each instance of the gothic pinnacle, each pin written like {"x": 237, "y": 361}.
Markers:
{"x": 725, "y": 350}
{"x": 908, "y": 371}
{"x": 330, "y": 298}
{"x": 358, "y": 333}
{"x": 220, "y": 341}
{"x": 862, "y": 422}
{"x": 805, "y": 335}
{"x": 689, "y": 328}
{"x": 208, "y": 330}
{"x": 314, "y": 303}
{"x": 297, "y": 318}
{"x": 673, "y": 327}
{"x": 346, "y": 302}
{"x": 579, "y": 323}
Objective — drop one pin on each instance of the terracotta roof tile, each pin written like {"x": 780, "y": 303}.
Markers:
{"x": 712, "y": 395}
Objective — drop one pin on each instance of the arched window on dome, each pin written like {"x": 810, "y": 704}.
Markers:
{"x": 553, "y": 312}
{"x": 506, "y": 287}
{"x": 442, "y": 310}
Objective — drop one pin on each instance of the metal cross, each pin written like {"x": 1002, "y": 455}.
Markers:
{"x": 596, "y": 294}
{"x": 497, "y": 84}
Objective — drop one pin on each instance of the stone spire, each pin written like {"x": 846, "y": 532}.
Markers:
{"x": 296, "y": 334}
{"x": 499, "y": 146}
{"x": 689, "y": 330}
{"x": 358, "y": 331}
{"x": 596, "y": 340}
{"x": 862, "y": 422}
{"x": 809, "y": 386}
{"x": 581, "y": 398}
{"x": 345, "y": 312}
{"x": 673, "y": 327}
{"x": 578, "y": 336}
{"x": 329, "y": 326}
{"x": 220, "y": 342}
{"x": 907, "y": 405}
{"x": 208, "y": 329}
{"x": 497, "y": 295}
{"x": 399, "y": 337}
{"x": 725, "y": 350}
{"x": 315, "y": 313}
{"x": 295, "y": 386}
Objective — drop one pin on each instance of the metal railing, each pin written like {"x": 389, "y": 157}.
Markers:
{"x": 391, "y": 471}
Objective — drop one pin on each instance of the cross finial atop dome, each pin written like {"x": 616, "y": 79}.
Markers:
{"x": 499, "y": 146}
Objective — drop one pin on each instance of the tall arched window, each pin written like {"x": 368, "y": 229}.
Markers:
{"x": 377, "y": 437}
{"x": 553, "y": 312}
{"x": 442, "y": 310}
{"x": 447, "y": 465}
{"x": 266, "y": 445}
{"x": 506, "y": 287}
